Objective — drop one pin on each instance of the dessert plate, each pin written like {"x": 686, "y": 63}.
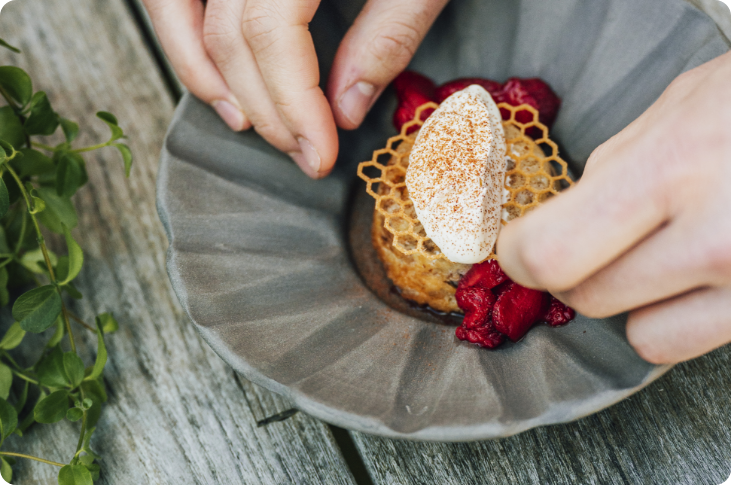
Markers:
{"x": 278, "y": 274}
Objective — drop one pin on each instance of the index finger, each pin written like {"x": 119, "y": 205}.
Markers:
{"x": 277, "y": 33}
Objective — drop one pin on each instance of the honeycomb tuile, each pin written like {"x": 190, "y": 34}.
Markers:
{"x": 531, "y": 172}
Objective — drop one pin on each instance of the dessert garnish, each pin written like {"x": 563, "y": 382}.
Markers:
{"x": 437, "y": 204}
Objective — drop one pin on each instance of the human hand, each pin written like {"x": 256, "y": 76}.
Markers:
{"x": 254, "y": 61}
{"x": 647, "y": 229}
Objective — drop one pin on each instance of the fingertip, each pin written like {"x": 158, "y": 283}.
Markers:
{"x": 353, "y": 104}
{"x": 308, "y": 158}
{"x": 232, "y": 115}
{"x": 513, "y": 258}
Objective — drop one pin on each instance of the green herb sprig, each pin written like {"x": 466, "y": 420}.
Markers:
{"x": 37, "y": 182}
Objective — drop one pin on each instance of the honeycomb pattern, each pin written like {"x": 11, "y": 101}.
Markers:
{"x": 531, "y": 178}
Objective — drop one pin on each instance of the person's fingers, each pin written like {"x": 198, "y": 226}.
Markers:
{"x": 682, "y": 328}
{"x": 225, "y": 43}
{"x": 378, "y": 46}
{"x": 646, "y": 274}
{"x": 613, "y": 207}
{"x": 277, "y": 33}
{"x": 179, "y": 26}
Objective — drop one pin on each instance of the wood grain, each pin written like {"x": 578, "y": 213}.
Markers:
{"x": 177, "y": 414}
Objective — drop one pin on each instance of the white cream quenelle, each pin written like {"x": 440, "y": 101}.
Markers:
{"x": 456, "y": 175}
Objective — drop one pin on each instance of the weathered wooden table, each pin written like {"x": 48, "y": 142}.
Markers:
{"x": 177, "y": 414}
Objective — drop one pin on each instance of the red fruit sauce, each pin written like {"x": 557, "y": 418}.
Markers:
{"x": 414, "y": 89}
{"x": 497, "y": 308}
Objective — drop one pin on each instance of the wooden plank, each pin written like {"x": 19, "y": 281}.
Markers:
{"x": 676, "y": 431}
{"x": 176, "y": 414}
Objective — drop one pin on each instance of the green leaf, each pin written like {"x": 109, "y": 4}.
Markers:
{"x": 53, "y": 408}
{"x": 33, "y": 163}
{"x": 6, "y": 380}
{"x": 42, "y": 120}
{"x": 8, "y": 418}
{"x": 126, "y": 156}
{"x": 94, "y": 470}
{"x": 7, "y": 148}
{"x": 108, "y": 322}
{"x": 17, "y": 51}
{"x": 72, "y": 291}
{"x": 70, "y": 129}
{"x": 20, "y": 402}
{"x": 4, "y": 293}
{"x": 86, "y": 403}
{"x": 50, "y": 369}
{"x": 5, "y": 469}
{"x": 57, "y": 334}
{"x": 111, "y": 121}
{"x": 75, "y": 258}
{"x": 74, "y": 475}
{"x": 74, "y": 414}
{"x": 16, "y": 82}
{"x": 4, "y": 198}
{"x": 101, "y": 353}
{"x": 34, "y": 261}
{"x": 94, "y": 390}
{"x": 4, "y": 247}
{"x": 11, "y": 129}
{"x": 73, "y": 368}
{"x": 39, "y": 205}
{"x": 59, "y": 211}
{"x": 68, "y": 175}
{"x": 37, "y": 309}
{"x": 62, "y": 268}
{"x": 12, "y": 337}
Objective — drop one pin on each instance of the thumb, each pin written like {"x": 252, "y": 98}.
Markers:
{"x": 378, "y": 46}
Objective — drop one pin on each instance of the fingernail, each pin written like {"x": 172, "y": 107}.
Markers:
{"x": 310, "y": 155}
{"x": 356, "y": 100}
{"x": 229, "y": 113}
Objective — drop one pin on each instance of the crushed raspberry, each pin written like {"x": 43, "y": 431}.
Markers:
{"x": 558, "y": 313}
{"x": 486, "y": 275}
{"x": 447, "y": 89}
{"x": 477, "y": 303}
{"x": 534, "y": 92}
{"x": 485, "y": 337}
{"x": 496, "y": 308}
{"x": 517, "y": 309}
{"x": 414, "y": 89}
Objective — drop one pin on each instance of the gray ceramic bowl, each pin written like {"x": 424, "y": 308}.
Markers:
{"x": 278, "y": 274}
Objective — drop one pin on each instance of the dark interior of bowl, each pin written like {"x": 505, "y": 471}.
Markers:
{"x": 261, "y": 261}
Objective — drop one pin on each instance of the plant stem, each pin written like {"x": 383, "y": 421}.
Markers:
{"x": 20, "y": 455}
{"x": 44, "y": 249}
{"x": 83, "y": 426}
{"x": 11, "y": 360}
{"x": 80, "y": 321}
{"x": 92, "y": 147}
{"x": 23, "y": 225}
{"x": 41, "y": 145}
{"x": 10, "y": 100}
{"x": 25, "y": 377}
{"x": 66, "y": 321}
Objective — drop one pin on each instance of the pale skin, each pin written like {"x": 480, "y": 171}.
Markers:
{"x": 646, "y": 230}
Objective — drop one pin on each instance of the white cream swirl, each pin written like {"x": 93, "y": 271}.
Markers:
{"x": 456, "y": 175}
